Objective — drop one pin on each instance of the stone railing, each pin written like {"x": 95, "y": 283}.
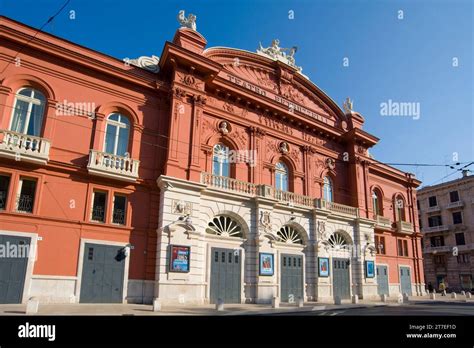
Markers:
{"x": 382, "y": 221}
{"x": 437, "y": 249}
{"x": 433, "y": 209}
{"x": 234, "y": 185}
{"x": 440, "y": 228}
{"x": 454, "y": 205}
{"x": 404, "y": 227}
{"x": 23, "y": 147}
{"x": 286, "y": 197}
{"x": 228, "y": 184}
{"x": 337, "y": 207}
{"x": 108, "y": 165}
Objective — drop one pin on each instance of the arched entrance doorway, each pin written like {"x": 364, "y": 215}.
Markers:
{"x": 341, "y": 279}
{"x": 291, "y": 264}
{"x": 225, "y": 259}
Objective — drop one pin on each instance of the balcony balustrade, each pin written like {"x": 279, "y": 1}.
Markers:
{"x": 24, "y": 147}
{"x": 109, "y": 165}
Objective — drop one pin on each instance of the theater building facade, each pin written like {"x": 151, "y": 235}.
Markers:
{"x": 204, "y": 174}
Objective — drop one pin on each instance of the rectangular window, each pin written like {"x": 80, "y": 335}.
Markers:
{"x": 405, "y": 248}
{"x": 400, "y": 247}
{"x": 4, "y": 185}
{"x": 457, "y": 217}
{"x": 380, "y": 244}
{"x": 463, "y": 258}
{"x": 26, "y": 195}
{"x": 440, "y": 260}
{"x": 454, "y": 196}
{"x": 118, "y": 216}
{"x": 99, "y": 203}
{"x": 418, "y": 204}
{"x": 437, "y": 241}
{"x": 434, "y": 221}
{"x": 432, "y": 201}
{"x": 419, "y": 222}
{"x": 460, "y": 239}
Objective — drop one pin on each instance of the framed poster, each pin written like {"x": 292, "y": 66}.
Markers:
{"x": 369, "y": 269}
{"x": 180, "y": 258}
{"x": 323, "y": 263}
{"x": 266, "y": 264}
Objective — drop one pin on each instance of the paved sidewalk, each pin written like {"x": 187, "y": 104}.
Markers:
{"x": 229, "y": 309}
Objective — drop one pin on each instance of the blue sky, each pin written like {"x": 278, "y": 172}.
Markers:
{"x": 407, "y": 60}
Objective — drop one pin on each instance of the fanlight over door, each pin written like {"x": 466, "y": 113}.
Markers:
{"x": 224, "y": 226}
{"x": 288, "y": 234}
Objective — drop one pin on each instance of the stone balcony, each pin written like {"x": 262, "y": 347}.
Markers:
{"x": 227, "y": 184}
{"x": 382, "y": 222}
{"x": 404, "y": 227}
{"x": 437, "y": 249}
{"x": 112, "y": 166}
{"x": 434, "y": 209}
{"x": 23, "y": 147}
{"x": 455, "y": 205}
{"x": 441, "y": 228}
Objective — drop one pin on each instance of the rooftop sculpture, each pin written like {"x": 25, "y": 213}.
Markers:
{"x": 189, "y": 22}
{"x": 275, "y": 52}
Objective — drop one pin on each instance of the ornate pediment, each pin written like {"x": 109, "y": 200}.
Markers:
{"x": 277, "y": 81}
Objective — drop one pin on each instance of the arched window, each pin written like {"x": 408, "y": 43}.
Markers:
{"x": 399, "y": 208}
{"x": 328, "y": 189}
{"x": 337, "y": 241}
{"x": 225, "y": 226}
{"x": 28, "y": 112}
{"x": 281, "y": 176}
{"x": 377, "y": 202}
{"x": 117, "y": 134}
{"x": 289, "y": 235}
{"x": 220, "y": 160}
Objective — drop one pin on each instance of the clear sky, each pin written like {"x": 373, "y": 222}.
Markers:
{"x": 422, "y": 55}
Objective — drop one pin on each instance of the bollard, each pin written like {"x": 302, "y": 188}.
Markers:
{"x": 400, "y": 298}
{"x": 432, "y": 296}
{"x": 463, "y": 293}
{"x": 337, "y": 300}
{"x": 406, "y": 298}
{"x": 300, "y": 302}
{"x": 355, "y": 299}
{"x": 220, "y": 305}
{"x": 32, "y": 306}
{"x": 156, "y": 305}
{"x": 468, "y": 295}
{"x": 453, "y": 295}
{"x": 383, "y": 298}
{"x": 275, "y": 302}
{"x": 443, "y": 293}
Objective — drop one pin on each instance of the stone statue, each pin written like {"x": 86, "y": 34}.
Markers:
{"x": 348, "y": 105}
{"x": 276, "y": 52}
{"x": 145, "y": 62}
{"x": 291, "y": 55}
{"x": 189, "y": 22}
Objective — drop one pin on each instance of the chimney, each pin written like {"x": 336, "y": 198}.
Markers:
{"x": 465, "y": 173}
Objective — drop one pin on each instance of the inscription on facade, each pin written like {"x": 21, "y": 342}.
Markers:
{"x": 288, "y": 104}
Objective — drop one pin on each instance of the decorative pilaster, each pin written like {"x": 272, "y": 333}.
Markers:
{"x": 199, "y": 101}
{"x": 5, "y": 107}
